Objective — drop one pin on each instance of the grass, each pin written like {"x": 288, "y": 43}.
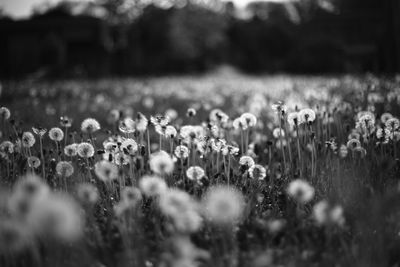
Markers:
{"x": 290, "y": 171}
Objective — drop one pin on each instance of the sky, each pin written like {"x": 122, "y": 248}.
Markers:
{"x": 23, "y": 8}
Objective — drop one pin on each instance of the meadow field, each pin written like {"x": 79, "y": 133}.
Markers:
{"x": 215, "y": 170}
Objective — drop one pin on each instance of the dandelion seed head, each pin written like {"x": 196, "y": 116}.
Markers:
{"x": 56, "y": 134}
{"x": 64, "y": 169}
{"x": 195, "y": 173}
{"x": 90, "y": 125}
{"x": 223, "y": 205}
{"x": 106, "y": 171}
{"x": 85, "y": 150}
{"x": 7, "y": 147}
{"x": 300, "y": 191}
{"x": 33, "y": 162}
{"x": 307, "y": 115}
{"x": 127, "y": 125}
{"x": 28, "y": 140}
{"x": 246, "y": 161}
{"x": 152, "y": 186}
{"x": 131, "y": 196}
{"x": 71, "y": 150}
{"x": 257, "y": 172}
{"x": 5, "y": 113}
{"x": 161, "y": 163}
{"x": 87, "y": 193}
{"x": 129, "y": 146}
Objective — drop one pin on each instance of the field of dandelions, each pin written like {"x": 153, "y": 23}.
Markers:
{"x": 200, "y": 171}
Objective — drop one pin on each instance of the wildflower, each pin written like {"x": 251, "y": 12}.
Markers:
{"x": 293, "y": 118}
{"x": 249, "y": 120}
{"x": 129, "y": 146}
{"x": 152, "y": 186}
{"x": 278, "y": 132}
{"x": 301, "y": 191}
{"x": 90, "y": 126}
{"x": 257, "y": 172}
{"x": 276, "y": 225}
{"x": 366, "y": 122}
{"x": 217, "y": 115}
{"x": 385, "y": 117}
{"x": 106, "y": 171}
{"x": 160, "y": 129}
{"x": 238, "y": 124}
{"x": 65, "y": 122}
{"x": 28, "y": 190}
{"x": 28, "y": 140}
{"x": 39, "y": 131}
{"x": 383, "y": 135}
{"x": 33, "y": 162}
{"x": 181, "y": 152}
{"x": 127, "y": 126}
{"x": 71, "y": 150}
{"x": 5, "y": 113}
{"x": 343, "y": 151}
{"x": 229, "y": 149}
{"x": 181, "y": 209}
{"x": 279, "y": 108}
{"x": 217, "y": 144}
{"x": 353, "y": 144}
{"x": 159, "y": 120}
{"x": 170, "y": 132}
{"x": 392, "y": 124}
{"x": 306, "y": 116}
{"x": 161, "y": 163}
{"x": 171, "y": 113}
{"x": 58, "y": 217}
{"x": 246, "y": 161}
{"x": 141, "y": 122}
{"x": 7, "y": 147}
{"x": 195, "y": 173}
{"x": 191, "y": 112}
{"x": 64, "y": 169}
{"x": 56, "y": 134}
{"x": 360, "y": 151}
{"x": 87, "y": 193}
{"x": 223, "y": 205}
{"x": 325, "y": 214}
{"x": 131, "y": 196}
{"x": 121, "y": 159}
{"x": 85, "y": 150}
{"x": 114, "y": 115}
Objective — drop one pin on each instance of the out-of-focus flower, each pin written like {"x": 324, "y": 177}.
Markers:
{"x": 257, "y": 172}
{"x": 191, "y": 112}
{"x": 28, "y": 140}
{"x": 223, "y": 205}
{"x": 300, "y": 191}
{"x": 278, "y": 133}
{"x": 306, "y": 115}
{"x": 127, "y": 125}
{"x": 161, "y": 163}
{"x": 7, "y": 147}
{"x": 90, "y": 125}
{"x": 131, "y": 196}
{"x": 343, "y": 151}
{"x": 87, "y": 193}
{"x": 171, "y": 113}
{"x": 152, "y": 186}
{"x": 353, "y": 144}
{"x": 14, "y": 237}
{"x": 218, "y": 116}
{"x": 279, "y": 107}
{"x": 5, "y": 113}
{"x": 141, "y": 122}
{"x": 385, "y": 117}
{"x": 170, "y": 132}
{"x": 64, "y": 169}
{"x": 293, "y": 118}
{"x": 392, "y": 124}
{"x": 114, "y": 115}
{"x": 325, "y": 214}
{"x": 57, "y": 217}
{"x": 56, "y": 134}
{"x": 159, "y": 120}
{"x": 106, "y": 171}
{"x": 85, "y": 150}
{"x": 65, "y": 122}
